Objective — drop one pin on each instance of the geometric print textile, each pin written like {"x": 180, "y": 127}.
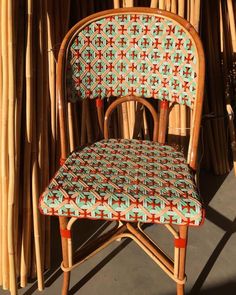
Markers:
{"x": 133, "y": 54}
{"x": 127, "y": 180}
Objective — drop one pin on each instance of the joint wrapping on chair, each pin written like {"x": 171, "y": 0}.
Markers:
{"x": 99, "y": 103}
{"x": 164, "y": 105}
{"x": 180, "y": 243}
{"x": 65, "y": 233}
{"x": 62, "y": 161}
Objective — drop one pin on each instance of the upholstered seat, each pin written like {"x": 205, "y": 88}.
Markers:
{"x": 127, "y": 180}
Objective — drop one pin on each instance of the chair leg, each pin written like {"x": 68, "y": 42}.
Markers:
{"x": 64, "y": 243}
{"x": 183, "y": 234}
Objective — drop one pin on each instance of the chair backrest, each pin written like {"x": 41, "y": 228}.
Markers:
{"x": 134, "y": 51}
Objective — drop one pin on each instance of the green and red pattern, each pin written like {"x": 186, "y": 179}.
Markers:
{"x": 127, "y": 180}
{"x": 133, "y": 54}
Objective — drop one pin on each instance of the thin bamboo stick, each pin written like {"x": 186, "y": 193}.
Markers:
{"x": 174, "y": 6}
{"x": 153, "y": 3}
{"x": 26, "y": 233}
{"x": 181, "y": 7}
{"x": 11, "y": 147}
{"x": 232, "y": 23}
{"x": 168, "y": 5}
{"x": 162, "y": 4}
{"x": 196, "y": 13}
{"x": 128, "y": 3}
{"x": 4, "y": 145}
{"x": 116, "y": 3}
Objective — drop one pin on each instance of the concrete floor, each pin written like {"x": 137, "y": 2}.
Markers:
{"x": 124, "y": 269}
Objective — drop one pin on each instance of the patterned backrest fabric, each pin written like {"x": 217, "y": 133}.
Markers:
{"x": 138, "y": 54}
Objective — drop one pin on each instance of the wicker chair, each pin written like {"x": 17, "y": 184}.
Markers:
{"x": 131, "y": 54}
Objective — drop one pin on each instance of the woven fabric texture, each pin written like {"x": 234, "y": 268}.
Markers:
{"x": 142, "y": 55}
{"x": 127, "y": 180}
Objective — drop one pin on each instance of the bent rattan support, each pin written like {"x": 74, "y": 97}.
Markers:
{"x": 174, "y": 269}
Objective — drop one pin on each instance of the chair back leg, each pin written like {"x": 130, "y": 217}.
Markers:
{"x": 64, "y": 243}
{"x": 183, "y": 234}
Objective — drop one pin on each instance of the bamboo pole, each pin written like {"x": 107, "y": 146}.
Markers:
{"x": 232, "y": 23}
{"x": 153, "y": 3}
{"x": 4, "y": 146}
{"x": 174, "y": 6}
{"x": 162, "y": 4}
{"x": 26, "y": 232}
{"x": 11, "y": 147}
{"x": 181, "y": 7}
{"x": 116, "y": 3}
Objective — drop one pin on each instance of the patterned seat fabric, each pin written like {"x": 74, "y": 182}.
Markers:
{"x": 127, "y": 180}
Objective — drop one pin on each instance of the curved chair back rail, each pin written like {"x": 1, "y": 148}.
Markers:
{"x": 121, "y": 100}
{"x": 133, "y": 52}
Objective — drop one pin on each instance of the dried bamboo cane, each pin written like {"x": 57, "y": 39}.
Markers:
{"x": 11, "y": 147}
{"x": 116, "y": 3}
{"x": 4, "y": 145}
{"x": 174, "y": 6}
{"x": 83, "y": 124}
{"x": 71, "y": 127}
{"x": 196, "y": 13}
{"x": 168, "y": 5}
{"x": 153, "y": 3}
{"x": 128, "y": 3}
{"x": 181, "y": 7}
{"x": 232, "y": 24}
{"x": 26, "y": 233}
{"x": 162, "y": 4}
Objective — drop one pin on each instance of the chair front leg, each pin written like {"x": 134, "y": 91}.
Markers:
{"x": 65, "y": 234}
{"x": 183, "y": 236}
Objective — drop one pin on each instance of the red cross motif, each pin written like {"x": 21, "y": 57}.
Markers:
{"x": 146, "y": 30}
{"x": 98, "y": 41}
{"x": 154, "y": 219}
{"x": 110, "y": 91}
{"x": 155, "y": 55}
{"x": 134, "y": 29}
{"x": 154, "y": 80}
{"x": 164, "y": 82}
{"x": 165, "y": 69}
{"x": 189, "y": 58}
{"x": 166, "y": 56}
{"x": 143, "y": 55}
{"x": 170, "y": 30}
{"x": 156, "y": 43}
{"x": 176, "y": 70}
{"x": 110, "y": 41}
{"x": 175, "y": 97}
{"x": 68, "y": 212}
{"x": 131, "y": 91}
{"x": 121, "y": 91}
{"x": 133, "y": 54}
{"x": 52, "y": 198}
{"x": 132, "y": 79}
{"x": 181, "y": 31}
{"x": 143, "y": 79}
{"x": 189, "y": 45}
{"x": 110, "y": 54}
{"x": 185, "y": 98}
{"x": 177, "y": 57}
{"x": 88, "y": 92}
{"x": 147, "y": 18}
{"x": 110, "y": 79}
{"x": 88, "y": 80}
{"x": 87, "y": 29}
{"x": 88, "y": 54}
{"x": 99, "y": 66}
{"x": 134, "y": 17}
{"x": 175, "y": 84}
{"x": 121, "y": 66}
{"x": 143, "y": 67}
{"x": 154, "y": 93}
{"x": 136, "y": 217}
{"x": 122, "y": 41}
{"x": 143, "y": 91}
{"x": 99, "y": 54}
{"x": 110, "y": 29}
{"x": 168, "y": 43}
{"x": 145, "y": 42}
{"x": 155, "y": 68}
{"x": 133, "y": 67}
{"x": 122, "y": 54}
{"x": 119, "y": 202}
{"x": 122, "y": 29}
{"x": 157, "y": 30}
{"x": 186, "y": 86}
{"x": 99, "y": 92}
{"x": 88, "y": 67}
{"x": 110, "y": 66}
{"x": 122, "y": 17}
{"x": 179, "y": 44}
{"x": 88, "y": 41}
{"x": 98, "y": 28}
{"x": 121, "y": 79}
{"x": 187, "y": 72}
{"x": 134, "y": 41}
{"x": 164, "y": 95}
{"x": 77, "y": 54}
